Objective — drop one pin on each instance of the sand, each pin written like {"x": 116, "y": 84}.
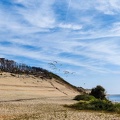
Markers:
{"x": 29, "y": 98}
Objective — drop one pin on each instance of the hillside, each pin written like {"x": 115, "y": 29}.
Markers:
{"x": 36, "y": 94}
{"x": 19, "y": 82}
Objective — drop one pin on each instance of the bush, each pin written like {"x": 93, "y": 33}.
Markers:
{"x": 102, "y": 105}
{"x": 98, "y": 92}
{"x": 84, "y": 97}
{"x": 96, "y": 102}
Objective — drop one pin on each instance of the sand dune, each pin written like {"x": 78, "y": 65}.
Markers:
{"x": 25, "y": 87}
{"x": 30, "y": 98}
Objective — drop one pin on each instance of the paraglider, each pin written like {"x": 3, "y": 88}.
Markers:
{"x": 56, "y": 66}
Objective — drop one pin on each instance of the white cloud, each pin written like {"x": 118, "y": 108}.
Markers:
{"x": 38, "y": 14}
{"x": 110, "y": 7}
{"x": 70, "y": 26}
{"x": 31, "y": 26}
{"x": 104, "y": 6}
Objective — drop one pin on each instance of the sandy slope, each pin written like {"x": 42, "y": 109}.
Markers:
{"x": 14, "y": 87}
{"x": 29, "y": 98}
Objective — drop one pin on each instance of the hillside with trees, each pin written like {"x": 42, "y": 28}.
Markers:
{"x": 11, "y": 66}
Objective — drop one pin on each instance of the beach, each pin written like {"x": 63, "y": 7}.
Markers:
{"x": 59, "y": 59}
{"x": 29, "y": 98}
{"x": 49, "y": 109}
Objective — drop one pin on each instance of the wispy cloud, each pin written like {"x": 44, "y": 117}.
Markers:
{"x": 83, "y": 36}
{"x": 70, "y": 26}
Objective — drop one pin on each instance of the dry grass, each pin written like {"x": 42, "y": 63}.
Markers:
{"x": 43, "y": 110}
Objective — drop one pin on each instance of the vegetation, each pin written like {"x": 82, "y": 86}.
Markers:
{"x": 96, "y": 100}
{"x": 100, "y": 105}
{"x": 98, "y": 92}
{"x": 16, "y": 68}
{"x": 84, "y": 97}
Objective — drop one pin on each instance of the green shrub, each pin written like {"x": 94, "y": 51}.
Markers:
{"x": 84, "y": 97}
{"x": 100, "y": 105}
{"x": 117, "y": 107}
{"x": 95, "y": 101}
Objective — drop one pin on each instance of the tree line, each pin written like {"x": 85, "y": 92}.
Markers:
{"x": 20, "y": 68}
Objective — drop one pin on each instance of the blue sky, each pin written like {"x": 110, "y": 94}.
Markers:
{"x": 82, "y": 35}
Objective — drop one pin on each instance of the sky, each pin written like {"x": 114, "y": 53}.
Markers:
{"x": 81, "y": 37}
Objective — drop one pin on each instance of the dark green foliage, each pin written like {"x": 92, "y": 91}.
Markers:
{"x": 98, "y": 92}
{"x": 117, "y": 107}
{"x": 85, "y": 97}
{"x": 101, "y": 105}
